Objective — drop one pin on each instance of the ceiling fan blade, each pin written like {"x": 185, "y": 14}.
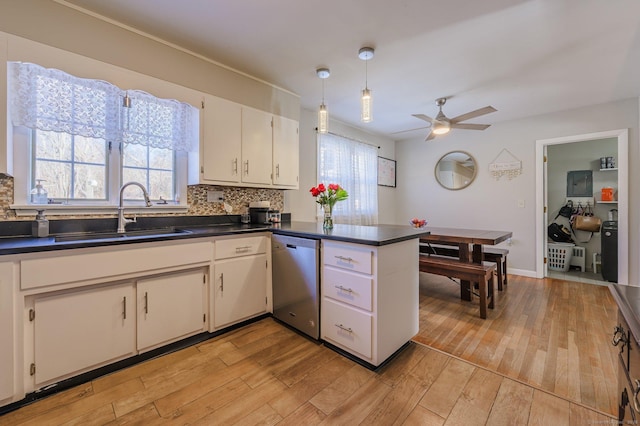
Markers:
{"x": 423, "y": 117}
{"x": 409, "y": 130}
{"x": 431, "y": 136}
{"x": 469, "y": 126}
{"x": 473, "y": 114}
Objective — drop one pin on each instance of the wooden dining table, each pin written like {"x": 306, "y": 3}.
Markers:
{"x": 470, "y": 243}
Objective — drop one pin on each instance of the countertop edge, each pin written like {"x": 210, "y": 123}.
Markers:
{"x": 627, "y": 311}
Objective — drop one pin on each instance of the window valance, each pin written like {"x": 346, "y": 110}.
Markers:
{"x": 50, "y": 99}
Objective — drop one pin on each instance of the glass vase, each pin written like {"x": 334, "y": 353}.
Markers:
{"x": 327, "y": 223}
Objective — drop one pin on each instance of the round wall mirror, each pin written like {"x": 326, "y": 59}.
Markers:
{"x": 456, "y": 170}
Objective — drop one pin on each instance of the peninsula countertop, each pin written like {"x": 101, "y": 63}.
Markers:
{"x": 375, "y": 235}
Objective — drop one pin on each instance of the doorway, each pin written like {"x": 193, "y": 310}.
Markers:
{"x": 546, "y": 195}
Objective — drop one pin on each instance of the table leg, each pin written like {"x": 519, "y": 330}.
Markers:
{"x": 465, "y": 286}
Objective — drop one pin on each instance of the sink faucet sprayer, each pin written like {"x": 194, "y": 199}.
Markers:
{"x": 122, "y": 221}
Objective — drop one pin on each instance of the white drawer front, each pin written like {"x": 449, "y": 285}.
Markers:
{"x": 357, "y": 259}
{"x": 347, "y": 327}
{"x": 349, "y": 288}
{"x": 244, "y": 246}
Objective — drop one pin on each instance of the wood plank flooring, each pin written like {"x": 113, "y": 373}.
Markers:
{"x": 267, "y": 374}
{"x": 552, "y": 334}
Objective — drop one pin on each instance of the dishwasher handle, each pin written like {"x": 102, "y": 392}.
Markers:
{"x": 291, "y": 246}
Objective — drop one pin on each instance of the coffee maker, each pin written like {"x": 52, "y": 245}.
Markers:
{"x": 259, "y": 212}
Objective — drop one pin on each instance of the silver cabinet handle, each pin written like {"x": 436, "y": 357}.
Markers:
{"x": 347, "y": 290}
{"x": 242, "y": 248}
{"x": 246, "y": 167}
{"x": 221, "y": 282}
{"x": 277, "y": 170}
{"x": 346, "y": 259}
{"x": 235, "y": 166}
{"x": 146, "y": 303}
{"x": 342, "y": 327}
{"x": 124, "y": 307}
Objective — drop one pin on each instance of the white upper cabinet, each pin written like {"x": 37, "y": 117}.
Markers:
{"x": 242, "y": 146}
{"x": 221, "y": 133}
{"x": 285, "y": 152}
{"x": 257, "y": 135}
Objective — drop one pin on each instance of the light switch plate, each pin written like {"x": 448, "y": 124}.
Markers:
{"x": 521, "y": 204}
{"x": 215, "y": 196}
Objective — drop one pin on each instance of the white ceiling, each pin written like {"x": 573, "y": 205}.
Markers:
{"x": 522, "y": 57}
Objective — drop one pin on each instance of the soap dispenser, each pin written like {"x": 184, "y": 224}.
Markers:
{"x": 40, "y": 227}
{"x": 38, "y": 193}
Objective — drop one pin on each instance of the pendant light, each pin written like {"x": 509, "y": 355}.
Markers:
{"x": 323, "y": 115}
{"x": 366, "y": 116}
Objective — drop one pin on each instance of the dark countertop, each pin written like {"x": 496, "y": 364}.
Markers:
{"x": 181, "y": 229}
{"x": 628, "y": 300}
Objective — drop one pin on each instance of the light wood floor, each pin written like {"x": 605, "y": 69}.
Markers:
{"x": 266, "y": 374}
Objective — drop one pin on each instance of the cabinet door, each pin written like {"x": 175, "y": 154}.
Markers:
{"x": 240, "y": 289}
{"x": 81, "y": 330}
{"x": 170, "y": 307}
{"x": 6, "y": 330}
{"x": 285, "y": 152}
{"x": 256, "y": 146}
{"x": 221, "y": 130}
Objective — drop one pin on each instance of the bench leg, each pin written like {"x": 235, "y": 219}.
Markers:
{"x": 482, "y": 287}
{"x": 504, "y": 270}
{"x": 491, "y": 290}
{"x": 500, "y": 276}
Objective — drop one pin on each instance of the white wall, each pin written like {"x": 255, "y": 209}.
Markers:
{"x": 492, "y": 204}
{"x": 300, "y": 203}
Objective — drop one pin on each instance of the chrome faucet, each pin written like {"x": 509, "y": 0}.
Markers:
{"x": 122, "y": 221}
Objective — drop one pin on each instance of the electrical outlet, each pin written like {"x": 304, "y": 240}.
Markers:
{"x": 215, "y": 196}
{"x": 521, "y": 204}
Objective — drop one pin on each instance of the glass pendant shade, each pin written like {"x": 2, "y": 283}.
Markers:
{"x": 365, "y": 110}
{"x": 323, "y": 114}
{"x": 323, "y": 119}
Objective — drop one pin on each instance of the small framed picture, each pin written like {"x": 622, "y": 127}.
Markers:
{"x": 386, "y": 172}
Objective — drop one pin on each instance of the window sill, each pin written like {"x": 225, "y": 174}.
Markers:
{"x": 75, "y": 210}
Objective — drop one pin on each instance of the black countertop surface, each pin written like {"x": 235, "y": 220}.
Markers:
{"x": 628, "y": 300}
{"x": 71, "y": 234}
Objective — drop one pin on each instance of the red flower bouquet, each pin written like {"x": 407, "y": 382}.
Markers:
{"x": 327, "y": 198}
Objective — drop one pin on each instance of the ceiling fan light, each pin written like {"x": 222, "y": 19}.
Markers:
{"x": 365, "y": 110}
{"x": 441, "y": 127}
{"x": 323, "y": 119}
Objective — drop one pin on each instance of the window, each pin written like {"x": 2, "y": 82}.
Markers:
{"x": 88, "y": 137}
{"x": 352, "y": 165}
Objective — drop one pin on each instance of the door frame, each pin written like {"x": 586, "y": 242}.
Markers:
{"x": 623, "y": 197}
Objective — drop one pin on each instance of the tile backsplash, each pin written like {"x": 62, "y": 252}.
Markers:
{"x": 238, "y": 198}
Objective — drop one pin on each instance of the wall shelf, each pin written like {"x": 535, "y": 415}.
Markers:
{"x": 606, "y": 202}
{"x": 609, "y": 170}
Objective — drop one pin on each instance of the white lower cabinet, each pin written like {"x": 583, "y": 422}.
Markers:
{"x": 239, "y": 283}
{"x": 7, "y": 337}
{"x": 81, "y": 330}
{"x": 369, "y": 297}
{"x": 170, "y": 307}
{"x": 240, "y": 289}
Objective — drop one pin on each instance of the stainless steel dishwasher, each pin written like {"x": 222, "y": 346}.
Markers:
{"x": 296, "y": 281}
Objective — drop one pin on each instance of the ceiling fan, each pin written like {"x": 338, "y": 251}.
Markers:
{"x": 442, "y": 124}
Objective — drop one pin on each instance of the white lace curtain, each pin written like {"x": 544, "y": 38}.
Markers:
{"x": 352, "y": 165}
{"x": 49, "y": 99}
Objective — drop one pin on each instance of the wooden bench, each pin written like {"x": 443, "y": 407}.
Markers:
{"x": 491, "y": 254}
{"x": 472, "y": 272}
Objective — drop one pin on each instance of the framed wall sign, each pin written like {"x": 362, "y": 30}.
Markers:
{"x": 386, "y": 172}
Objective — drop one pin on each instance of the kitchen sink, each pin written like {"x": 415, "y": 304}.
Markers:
{"x": 91, "y": 236}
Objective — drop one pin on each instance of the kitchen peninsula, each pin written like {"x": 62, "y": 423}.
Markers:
{"x": 118, "y": 285}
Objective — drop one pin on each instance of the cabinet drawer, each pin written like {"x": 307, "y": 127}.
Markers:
{"x": 356, "y": 290}
{"x": 347, "y": 327}
{"x": 357, "y": 259}
{"x": 245, "y": 246}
